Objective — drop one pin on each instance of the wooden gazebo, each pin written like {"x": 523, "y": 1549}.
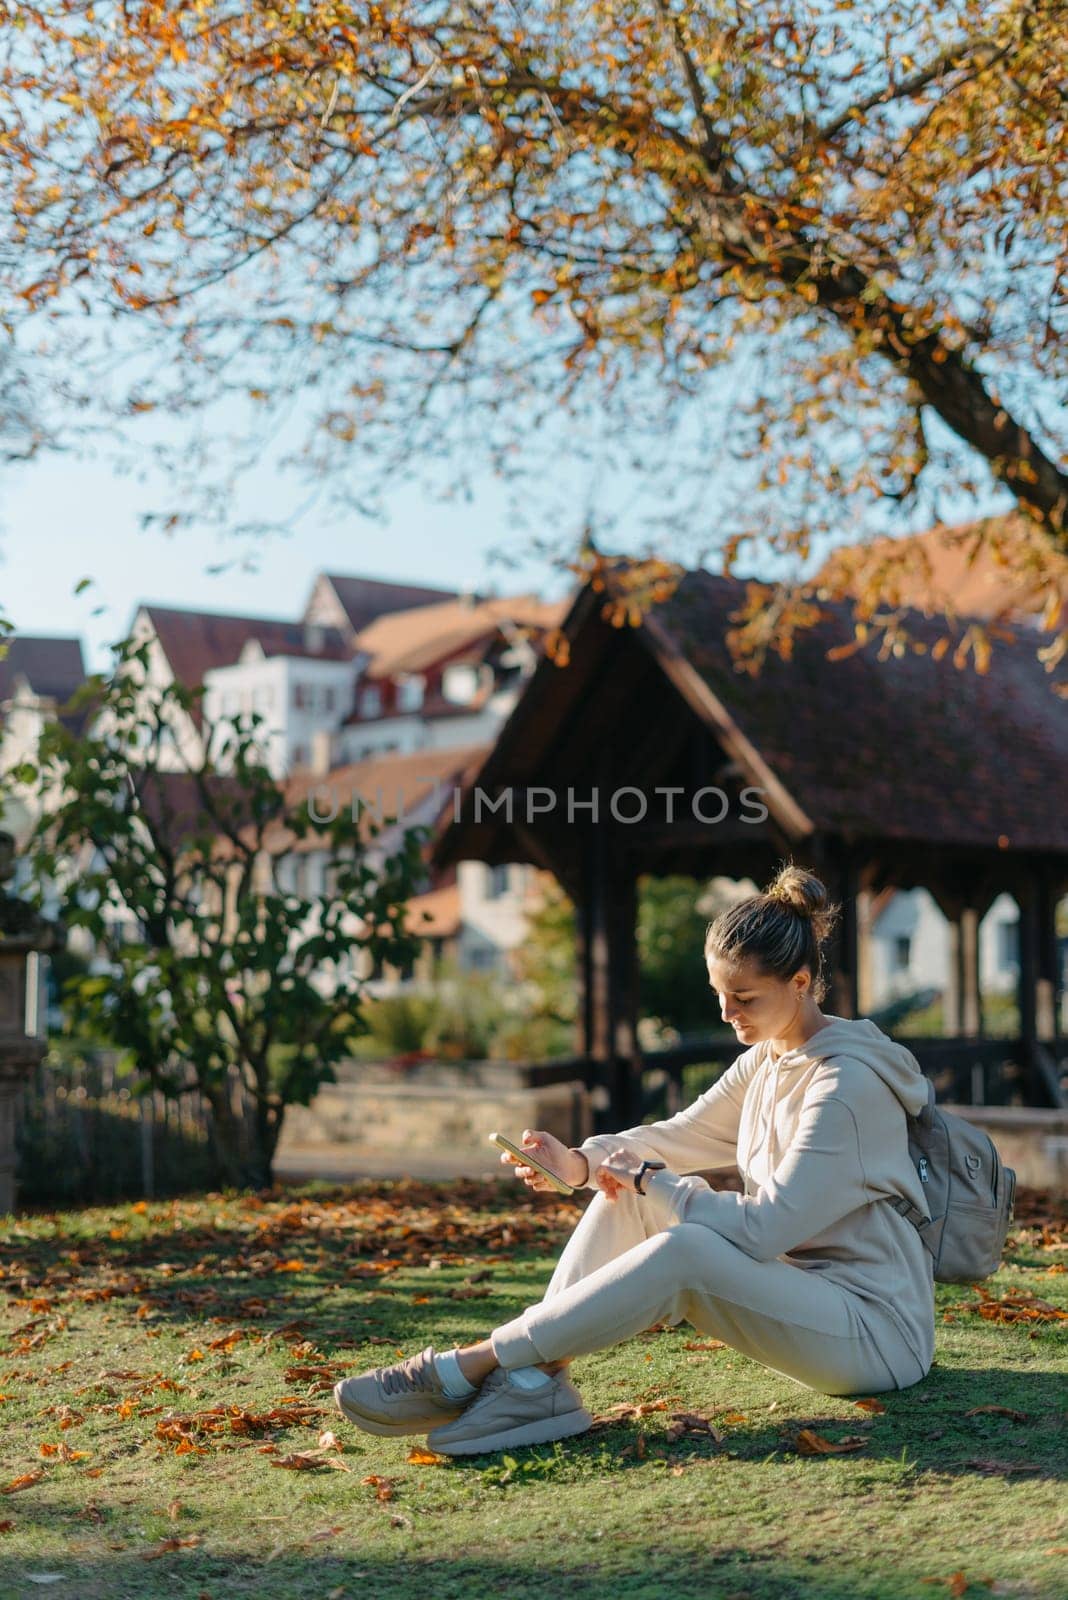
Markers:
{"x": 650, "y": 752}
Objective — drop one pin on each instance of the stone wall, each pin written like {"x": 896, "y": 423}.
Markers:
{"x": 1033, "y": 1141}
{"x": 431, "y": 1110}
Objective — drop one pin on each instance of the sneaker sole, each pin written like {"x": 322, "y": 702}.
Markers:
{"x": 387, "y": 1430}
{"x": 545, "y": 1431}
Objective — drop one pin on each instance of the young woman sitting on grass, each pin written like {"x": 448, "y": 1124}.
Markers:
{"x": 809, "y": 1270}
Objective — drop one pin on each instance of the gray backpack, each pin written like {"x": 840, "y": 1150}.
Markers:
{"x": 969, "y": 1194}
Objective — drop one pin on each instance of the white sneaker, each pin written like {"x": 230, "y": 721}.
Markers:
{"x": 503, "y": 1415}
{"x": 405, "y": 1398}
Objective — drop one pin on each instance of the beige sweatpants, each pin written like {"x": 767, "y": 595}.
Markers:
{"x": 617, "y": 1276}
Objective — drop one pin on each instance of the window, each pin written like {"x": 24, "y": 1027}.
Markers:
{"x": 300, "y": 876}
{"x": 328, "y": 698}
{"x": 370, "y": 702}
{"x": 496, "y": 882}
{"x": 410, "y": 694}
{"x": 481, "y": 957}
{"x": 300, "y": 755}
{"x": 1008, "y": 944}
{"x": 902, "y": 952}
{"x": 300, "y": 696}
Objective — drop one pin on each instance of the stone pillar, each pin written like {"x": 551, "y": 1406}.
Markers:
{"x": 22, "y": 931}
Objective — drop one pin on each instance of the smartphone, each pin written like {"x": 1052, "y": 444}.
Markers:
{"x": 529, "y": 1160}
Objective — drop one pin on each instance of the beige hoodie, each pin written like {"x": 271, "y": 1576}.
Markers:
{"x": 819, "y": 1136}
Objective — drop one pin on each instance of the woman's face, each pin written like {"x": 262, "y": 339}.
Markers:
{"x": 756, "y": 1005}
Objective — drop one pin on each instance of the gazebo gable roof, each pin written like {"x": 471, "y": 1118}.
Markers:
{"x": 907, "y": 747}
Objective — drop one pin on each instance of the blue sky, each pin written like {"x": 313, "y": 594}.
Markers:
{"x": 66, "y": 517}
{"x": 62, "y": 520}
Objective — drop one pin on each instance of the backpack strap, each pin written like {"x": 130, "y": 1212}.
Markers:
{"x": 925, "y": 1116}
{"x": 913, "y": 1214}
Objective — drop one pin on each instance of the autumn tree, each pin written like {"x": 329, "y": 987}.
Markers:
{"x": 805, "y": 262}
{"x": 209, "y": 972}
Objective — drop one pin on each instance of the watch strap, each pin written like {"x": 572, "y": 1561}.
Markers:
{"x": 647, "y": 1166}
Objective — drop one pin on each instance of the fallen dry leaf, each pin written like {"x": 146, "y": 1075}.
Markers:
{"x": 956, "y": 1583}
{"x": 25, "y": 1481}
{"x": 300, "y": 1461}
{"x": 997, "y": 1411}
{"x": 172, "y": 1542}
{"x": 7, "y": 1527}
{"x": 1015, "y": 1305}
{"x": 329, "y": 1440}
{"x": 987, "y": 1465}
{"x": 383, "y": 1487}
{"x": 875, "y": 1407}
{"x": 690, "y": 1424}
{"x": 323, "y": 1377}
{"x": 810, "y": 1443}
{"x": 629, "y": 1411}
{"x": 421, "y": 1457}
{"x": 705, "y": 1344}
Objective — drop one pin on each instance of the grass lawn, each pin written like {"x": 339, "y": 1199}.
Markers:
{"x": 167, "y": 1426}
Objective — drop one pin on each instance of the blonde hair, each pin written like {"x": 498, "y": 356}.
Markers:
{"x": 784, "y": 928}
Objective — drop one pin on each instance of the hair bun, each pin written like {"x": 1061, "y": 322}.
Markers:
{"x": 800, "y": 890}
{"x": 806, "y": 896}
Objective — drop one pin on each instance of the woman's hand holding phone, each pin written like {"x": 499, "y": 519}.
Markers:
{"x": 552, "y": 1152}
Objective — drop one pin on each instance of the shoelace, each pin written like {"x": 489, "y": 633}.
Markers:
{"x": 410, "y": 1374}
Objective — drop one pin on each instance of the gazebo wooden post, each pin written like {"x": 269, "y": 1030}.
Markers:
{"x": 609, "y": 960}
{"x": 971, "y": 997}
{"x": 1037, "y": 985}
{"x": 1047, "y": 963}
{"x": 953, "y": 995}
{"x": 865, "y": 974}
{"x": 963, "y": 903}
{"x": 843, "y": 879}
{"x": 1027, "y": 983}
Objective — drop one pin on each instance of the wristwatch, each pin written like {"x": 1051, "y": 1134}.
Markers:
{"x": 647, "y": 1166}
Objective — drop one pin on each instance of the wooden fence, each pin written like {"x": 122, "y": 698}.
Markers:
{"x": 82, "y": 1134}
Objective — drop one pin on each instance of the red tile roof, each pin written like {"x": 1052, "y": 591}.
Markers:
{"x": 395, "y": 784}
{"x": 424, "y": 636}
{"x": 436, "y": 914}
{"x": 196, "y": 641}
{"x": 53, "y": 668}
{"x": 364, "y": 599}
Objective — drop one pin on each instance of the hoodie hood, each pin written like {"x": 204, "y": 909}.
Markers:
{"x": 863, "y": 1041}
